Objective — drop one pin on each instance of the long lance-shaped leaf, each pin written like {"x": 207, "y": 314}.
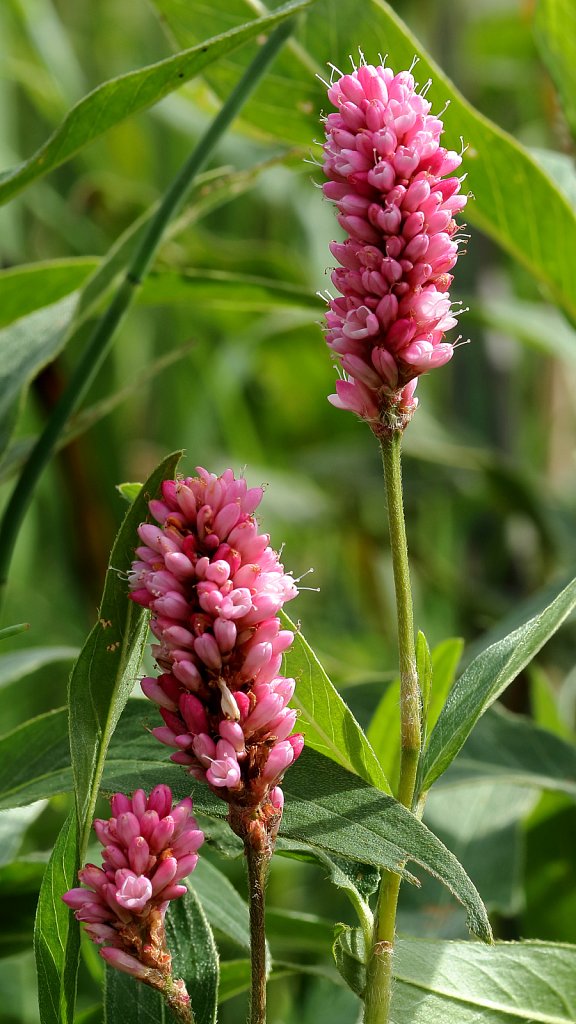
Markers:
{"x": 56, "y": 932}
{"x": 326, "y": 807}
{"x": 104, "y": 674}
{"x": 485, "y": 679}
{"x": 115, "y": 100}
{"x": 326, "y": 721}
{"x": 463, "y": 982}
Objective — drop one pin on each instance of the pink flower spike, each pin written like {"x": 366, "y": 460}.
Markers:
{"x": 386, "y": 171}
{"x": 215, "y": 587}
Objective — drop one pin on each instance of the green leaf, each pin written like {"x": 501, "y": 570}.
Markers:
{"x": 129, "y": 491}
{"x": 326, "y": 721}
{"x": 131, "y": 1002}
{"x": 333, "y": 810}
{"x": 510, "y": 749}
{"x": 221, "y": 902}
{"x": 356, "y": 880}
{"x": 463, "y": 983}
{"x": 45, "y": 770}
{"x": 349, "y": 953}
{"x": 424, "y": 668}
{"x": 27, "y": 346}
{"x": 234, "y": 978}
{"x": 104, "y": 674}
{"x": 112, "y": 102}
{"x": 8, "y": 631}
{"x": 295, "y": 930}
{"x": 13, "y": 826}
{"x": 18, "y": 664}
{"x": 24, "y": 289}
{"x": 195, "y": 956}
{"x": 445, "y": 658}
{"x": 485, "y": 679}
{"x": 57, "y": 933}
{"x": 480, "y": 824}
{"x": 555, "y": 33}
{"x": 225, "y": 291}
{"x": 384, "y": 732}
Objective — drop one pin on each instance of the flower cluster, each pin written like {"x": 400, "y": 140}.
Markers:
{"x": 387, "y": 178}
{"x": 214, "y": 587}
{"x": 149, "y": 847}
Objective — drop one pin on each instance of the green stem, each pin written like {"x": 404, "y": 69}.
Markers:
{"x": 379, "y": 978}
{"x": 258, "y": 862}
{"x": 100, "y": 340}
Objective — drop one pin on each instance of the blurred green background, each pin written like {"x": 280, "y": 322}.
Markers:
{"x": 489, "y": 459}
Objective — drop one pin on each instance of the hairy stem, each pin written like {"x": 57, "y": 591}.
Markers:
{"x": 379, "y": 977}
{"x": 100, "y": 340}
{"x": 258, "y": 861}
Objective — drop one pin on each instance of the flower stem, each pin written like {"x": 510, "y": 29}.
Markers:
{"x": 100, "y": 340}
{"x": 379, "y": 978}
{"x": 258, "y": 861}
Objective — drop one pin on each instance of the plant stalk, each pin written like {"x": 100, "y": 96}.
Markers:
{"x": 379, "y": 976}
{"x": 100, "y": 340}
{"x": 258, "y": 861}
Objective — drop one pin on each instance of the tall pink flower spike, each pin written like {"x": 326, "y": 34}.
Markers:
{"x": 214, "y": 587}
{"x": 387, "y": 177}
{"x": 149, "y": 848}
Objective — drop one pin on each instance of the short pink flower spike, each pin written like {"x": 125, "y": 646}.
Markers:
{"x": 150, "y": 846}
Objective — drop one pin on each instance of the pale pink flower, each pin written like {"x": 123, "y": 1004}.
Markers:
{"x": 214, "y": 587}
{"x": 387, "y": 174}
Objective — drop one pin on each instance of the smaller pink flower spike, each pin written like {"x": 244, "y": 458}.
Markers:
{"x": 149, "y": 845}
{"x": 390, "y": 180}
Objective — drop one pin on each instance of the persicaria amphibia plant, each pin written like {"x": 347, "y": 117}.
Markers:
{"x": 214, "y": 587}
{"x": 387, "y": 174}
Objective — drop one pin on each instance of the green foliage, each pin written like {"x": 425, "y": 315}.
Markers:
{"x": 117, "y": 99}
{"x": 458, "y": 981}
{"x": 485, "y": 679}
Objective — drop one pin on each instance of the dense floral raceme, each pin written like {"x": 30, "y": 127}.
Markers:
{"x": 214, "y": 587}
{"x": 387, "y": 174}
{"x": 149, "y": 847}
